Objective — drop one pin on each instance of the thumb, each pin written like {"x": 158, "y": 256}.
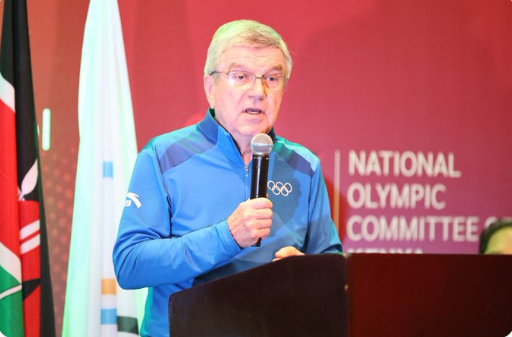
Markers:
{"x": 288, "y": 251}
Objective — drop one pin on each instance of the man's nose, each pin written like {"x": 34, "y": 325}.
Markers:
{"x": 258, "y": 88}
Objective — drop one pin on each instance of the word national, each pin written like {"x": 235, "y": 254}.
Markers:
{"x": 407, "y": 164}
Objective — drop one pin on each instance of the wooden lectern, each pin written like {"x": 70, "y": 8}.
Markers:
{"x": 354, "y": 295}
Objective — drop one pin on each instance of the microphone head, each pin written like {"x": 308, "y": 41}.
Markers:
{"x": 261, "y": 144}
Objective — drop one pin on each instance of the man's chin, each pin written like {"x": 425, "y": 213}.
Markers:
{"x": 254, "y": 129}
{"x": 261, "y": 130}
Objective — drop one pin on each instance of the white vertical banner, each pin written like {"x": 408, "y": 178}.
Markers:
{"x": 95, "y": 304}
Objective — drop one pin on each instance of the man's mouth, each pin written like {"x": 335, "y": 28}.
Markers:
{"x": 253, "y": 111}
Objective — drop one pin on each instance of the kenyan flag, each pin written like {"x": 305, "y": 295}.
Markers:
{"x": 11, "y": 323}
{"x": 26, "y": 303}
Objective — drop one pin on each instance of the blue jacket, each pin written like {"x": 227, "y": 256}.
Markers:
{"x": 173, "y": 231}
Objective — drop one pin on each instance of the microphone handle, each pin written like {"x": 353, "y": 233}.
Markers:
{"x": 259, "y": 176}
{"x": 259, "y": 180}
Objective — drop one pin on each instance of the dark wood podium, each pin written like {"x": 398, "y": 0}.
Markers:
{"x": 353, "y": 295}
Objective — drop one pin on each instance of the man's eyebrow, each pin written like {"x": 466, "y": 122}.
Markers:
{"x": 237, "y": 65}
{"x": 278, "y": 67}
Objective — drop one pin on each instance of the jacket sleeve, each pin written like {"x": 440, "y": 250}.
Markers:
{"x": 146, "y": 252}
{"x": 322, "y": 236}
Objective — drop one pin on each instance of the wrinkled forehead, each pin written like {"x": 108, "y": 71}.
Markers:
{"x": 253, "y": 59}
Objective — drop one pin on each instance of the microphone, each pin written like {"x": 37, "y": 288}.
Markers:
{"x": 261, "y": 145}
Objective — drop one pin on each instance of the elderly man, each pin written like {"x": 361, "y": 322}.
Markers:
{"x": 188, "y": 217}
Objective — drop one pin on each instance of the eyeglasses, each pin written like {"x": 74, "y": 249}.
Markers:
{"x": 245, "y": 80}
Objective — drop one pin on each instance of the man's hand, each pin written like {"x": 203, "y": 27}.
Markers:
{"x": 286, "y": 252}
{"x": 251, "y": 221}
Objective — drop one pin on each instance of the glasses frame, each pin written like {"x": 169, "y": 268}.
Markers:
{"x": 262, "y": 78}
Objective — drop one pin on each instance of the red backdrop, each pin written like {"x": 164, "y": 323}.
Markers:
{"x": 407, "y": 104}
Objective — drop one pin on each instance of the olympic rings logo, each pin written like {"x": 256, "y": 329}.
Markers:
{"x": 279, "y": 188}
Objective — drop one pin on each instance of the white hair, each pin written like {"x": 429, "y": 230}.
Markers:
{"x": 244, "y": 33}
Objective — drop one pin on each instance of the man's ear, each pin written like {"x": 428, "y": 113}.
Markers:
{"x": 209, "y": 89}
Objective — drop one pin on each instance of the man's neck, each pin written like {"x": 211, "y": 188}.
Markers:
{"x": 244, "y": 145}
{"x": 245, "y": 150}
{"x": 247, "y": 157}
